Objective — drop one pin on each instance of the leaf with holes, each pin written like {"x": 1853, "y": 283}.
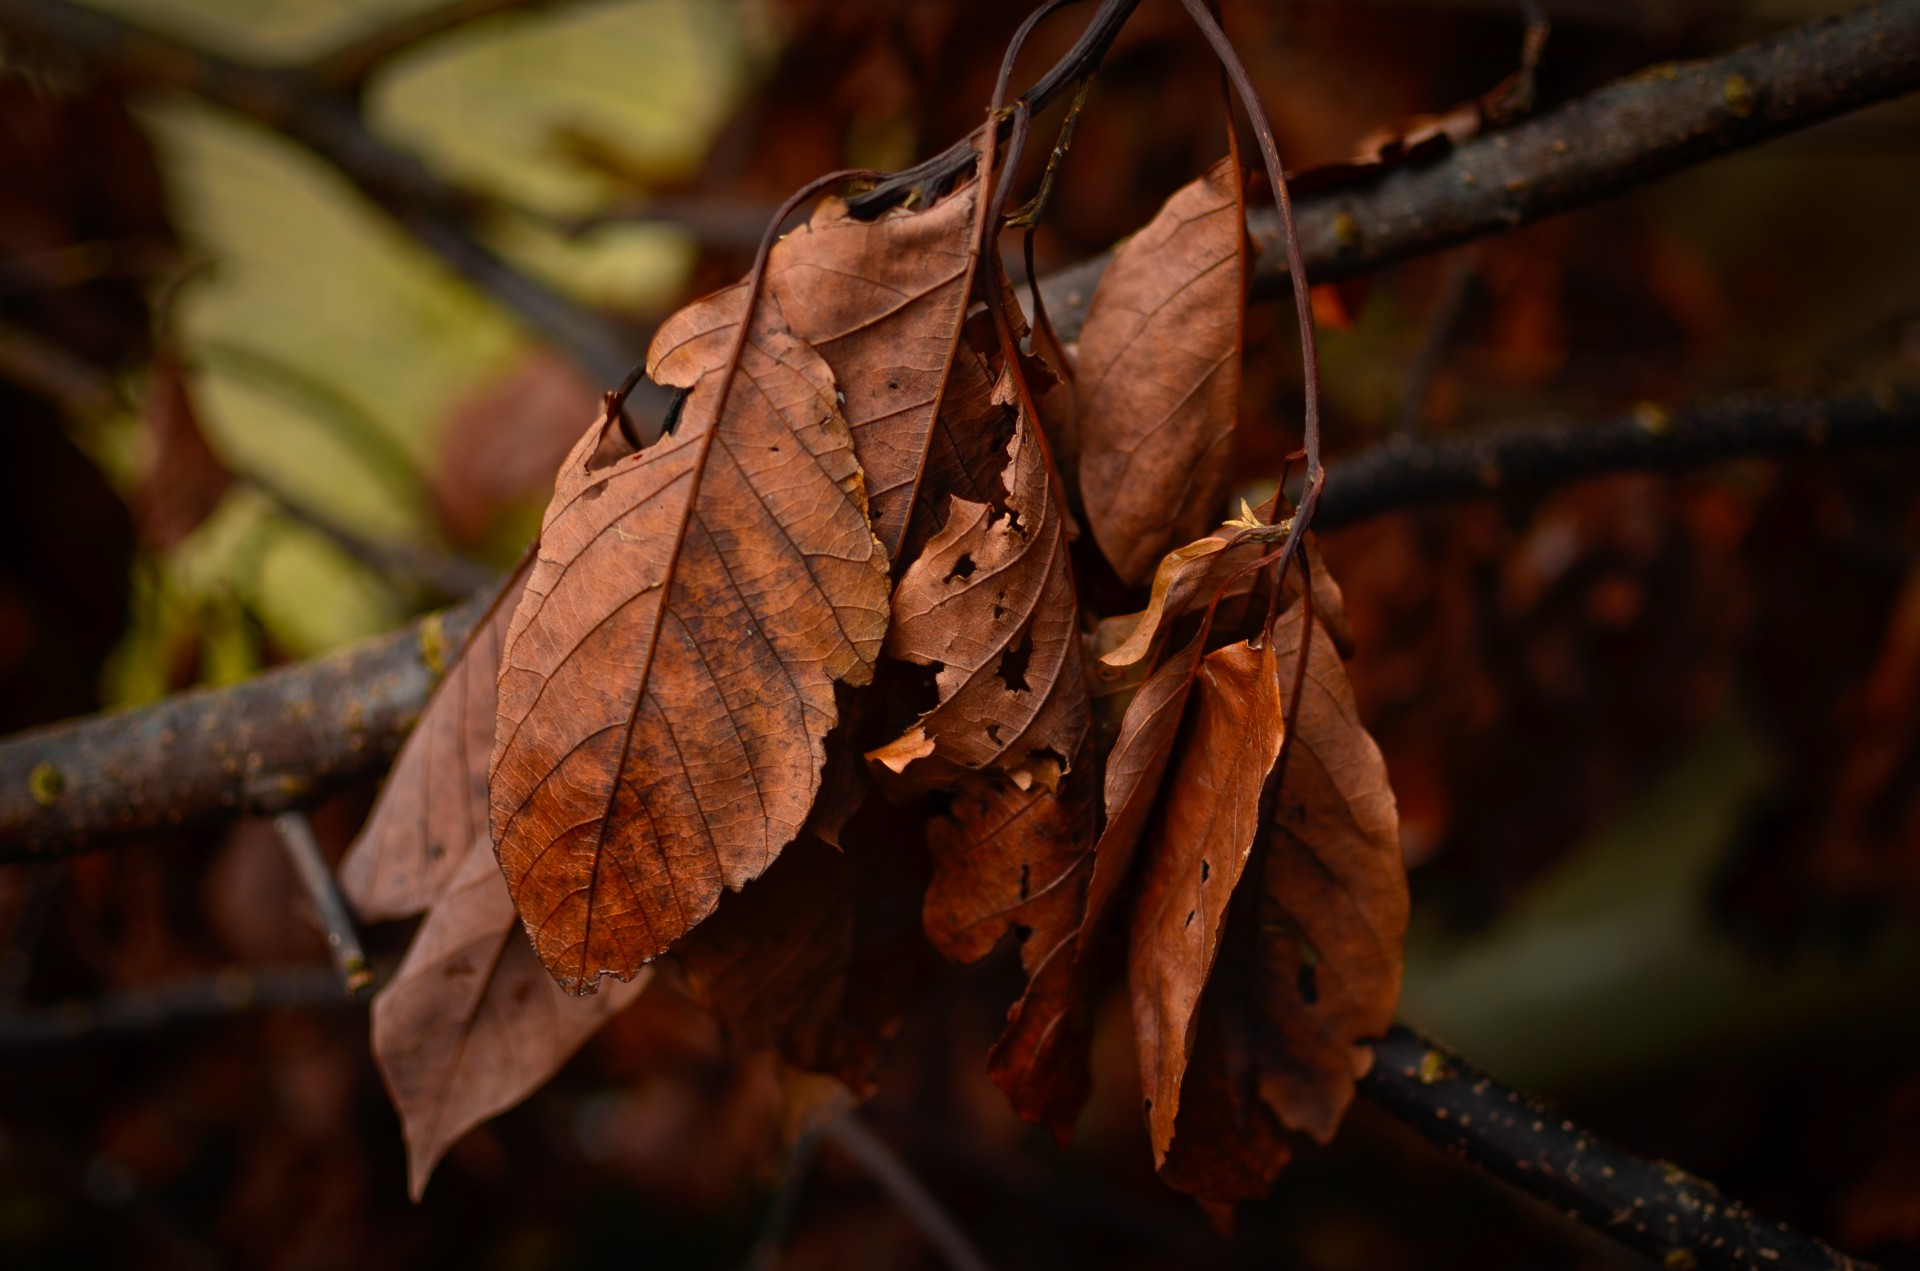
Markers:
{"x": 1311, "y": 961}
{"x": 471, "y": 1023}
{"x": 1194, "y": 859}
{"x": 990, "y": 604}
{"x": 1157, "y": 375}
{"x": 667, "y": 683}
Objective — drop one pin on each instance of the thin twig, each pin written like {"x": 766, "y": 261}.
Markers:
{"x": 289, "y": 736}
{"x": 1080, "y": 61}
{"x": 852, "y": 1136}
{"x": 1650, "y": 1206}
{"x": 329, "y": 906}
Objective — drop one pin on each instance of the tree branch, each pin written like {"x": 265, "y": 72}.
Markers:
{"x": 1650, "y": 1206}
{"x": 1663, "y": 119}
{"x": 277, "y": 741}
{"x": 443, "y": 217}
{"x": 1523, "y": 458}
{"x": 291, "y": 735}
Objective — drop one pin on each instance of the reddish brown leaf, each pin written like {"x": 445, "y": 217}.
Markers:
{"x": 815, "y": 957}
{"x": 1157, "y": 377}
{"x": 1309, "y": 965}
{"x": 1009, "y": 857}
{"x": 183, "y": 480}
{"x": 1229, "y": 1146}
{"x": 1333, "y": 904}
{"x": 1136, "y": 768}
{"x": 471, "y": 1023}
{"x": 1207, "y": 828}
{"x": 990, "y": 602}
{"x": 434, "y": 802}
{"x": 883, "y": 301}
{"x": 667, "y": 682}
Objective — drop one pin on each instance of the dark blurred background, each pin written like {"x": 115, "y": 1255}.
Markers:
{"x": 1655, "y": 738}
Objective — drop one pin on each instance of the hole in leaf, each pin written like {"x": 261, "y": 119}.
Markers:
{"x": 999, "y": 611}
{"x": 1189, "y": 921}
{"x": 1205, "y": 869}
{"x": 1013, "y": 664}
{"x": 993, "y": 732}
{"x": 962, "y": 568}
{"x": 1025, "y": 871}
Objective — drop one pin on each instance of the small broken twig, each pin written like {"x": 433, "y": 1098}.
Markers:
{"x": 343, "y": 941}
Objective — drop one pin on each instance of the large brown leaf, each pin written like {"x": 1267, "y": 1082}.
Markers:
{"x": 1157, "y": 375}
{"x": 1206, "y": 831}
{"x": 434, "y": 803}
{"x": 471, "y": 1023}
{"x": 668, "y": 679}
{"x": 815, "y": 957}
{"x": 990, "y": 602}
{"x": 883, "y": 301}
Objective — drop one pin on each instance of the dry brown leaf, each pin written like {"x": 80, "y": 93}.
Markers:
{"x": 815, "y": 957}
{"x": 1157, "y": 375}
{"x": 434, "y": 802}
{"x": 883, "y": 301}
{"x": 1311, "y": 959}
{"x": 1006, "y": 858}
{"x": 471, "y": 1023}
{"x": 1207, "y": 827}
{"x": 990, "y": 602}
{"x": 668, "y": 680}
{"x": 1136, "y": 769}
{"x": 1333, "y": 902}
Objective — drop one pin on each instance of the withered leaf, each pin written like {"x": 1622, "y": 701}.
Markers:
{"x": 434, "y": 803}
{"x": 1206, "y": 831}
{"x": 668, "y": 679}
{"x": 1157, "y": 375}
{"x": 471, "y": 1023}
{"x": 1136, "y": 769}
{"x": 1311, "y": 962}
{"x": 815, "y": 957}
{"x": 1008, "y": 857}
{"x": 990, "y": 602}
{"x": 884, "y": 302}
{"x": 1333, "y": 901}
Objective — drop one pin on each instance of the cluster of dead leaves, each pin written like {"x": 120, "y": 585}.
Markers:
{"x": 808, "y": 685}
